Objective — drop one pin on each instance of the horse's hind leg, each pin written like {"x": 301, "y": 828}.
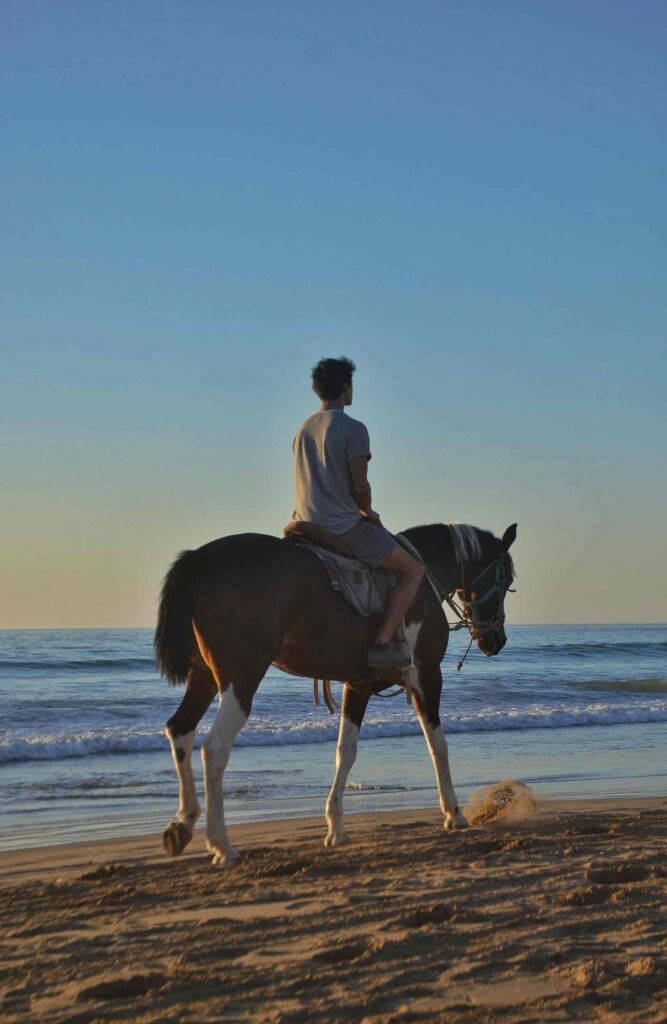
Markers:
{"x": 352, "y": 713}
{"x": 231, "y": 717}
{"x": 181, "y": 727}
{"x": 426, "y": 699}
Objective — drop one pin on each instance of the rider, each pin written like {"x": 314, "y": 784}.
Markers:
{"x": 331, "y": 455}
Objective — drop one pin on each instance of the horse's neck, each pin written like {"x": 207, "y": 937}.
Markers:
{"x": 435, "y": 545}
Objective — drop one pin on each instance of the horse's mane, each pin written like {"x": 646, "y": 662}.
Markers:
{"x": 465, "y": 539}
{"x": 442, "y": 543}
{"x": 470, "y": 541}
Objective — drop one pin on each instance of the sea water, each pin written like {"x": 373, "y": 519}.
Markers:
{"x": 573, "y": 711}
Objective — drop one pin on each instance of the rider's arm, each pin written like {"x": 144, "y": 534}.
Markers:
{"x": 361, "y": 489}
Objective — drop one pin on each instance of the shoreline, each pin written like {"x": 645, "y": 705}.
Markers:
{"x": 132, "y": 796}
{"x": 64, "y": 860}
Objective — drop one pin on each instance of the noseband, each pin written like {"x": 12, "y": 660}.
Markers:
{"x": 468, "y": 613}
{"x": 476, "y": 625}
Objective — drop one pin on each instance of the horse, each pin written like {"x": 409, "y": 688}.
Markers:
{"x": 233, "y": 607}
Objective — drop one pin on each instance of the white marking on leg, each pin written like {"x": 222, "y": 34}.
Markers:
{"x": 411, "y": 675}
{"x": 181, "y": 751}
{"x": 437, "y": 745}
{"x": 216, "y": 749}
{"x": 346, "y": 755}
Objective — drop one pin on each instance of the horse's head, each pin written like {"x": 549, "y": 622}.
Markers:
{"x": 484, "y": 582}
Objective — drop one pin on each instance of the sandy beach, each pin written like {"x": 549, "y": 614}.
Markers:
{"x": 548, "y": 912}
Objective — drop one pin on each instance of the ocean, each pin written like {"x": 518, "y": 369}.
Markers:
{"x": 572, "y": 711}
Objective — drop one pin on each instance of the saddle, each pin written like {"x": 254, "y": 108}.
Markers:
{"x": 366, "y": 590}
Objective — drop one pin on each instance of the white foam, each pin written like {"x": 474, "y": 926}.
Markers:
{"x": 318, "y": 729}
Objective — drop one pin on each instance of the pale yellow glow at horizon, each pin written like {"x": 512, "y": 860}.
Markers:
{"x": 106, "y": 572}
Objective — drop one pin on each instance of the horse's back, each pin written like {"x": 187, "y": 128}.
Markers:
{"x": 252, "y": 586}
{"x": 252, "y": 567}
{"x": 238, "y": 552}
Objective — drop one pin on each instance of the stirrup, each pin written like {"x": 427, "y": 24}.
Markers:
{"x": 401, "y": 637}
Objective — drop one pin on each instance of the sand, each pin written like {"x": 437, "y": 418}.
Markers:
{"x": 549, "y": 912}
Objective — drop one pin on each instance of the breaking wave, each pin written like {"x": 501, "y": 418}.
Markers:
{"x": 259, "y": 732}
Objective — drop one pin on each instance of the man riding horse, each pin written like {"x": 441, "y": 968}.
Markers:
{"x": 331, "y": 456}
{"x": 239, "y": 604}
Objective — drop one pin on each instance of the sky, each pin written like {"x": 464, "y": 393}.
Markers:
{"x": 202, "y": 199}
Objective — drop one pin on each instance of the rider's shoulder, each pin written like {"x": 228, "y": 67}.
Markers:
{"x": 329, "y": 420}
{"x": 353, "y": 424}
{"x": 311, "y": 423}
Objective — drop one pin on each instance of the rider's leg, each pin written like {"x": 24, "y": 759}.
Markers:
{"x": 411, "y": 574}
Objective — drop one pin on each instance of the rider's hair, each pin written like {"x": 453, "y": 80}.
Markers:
{"x": 330, "y": 377}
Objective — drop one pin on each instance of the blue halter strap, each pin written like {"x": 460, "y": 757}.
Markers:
{"x": 493, "y": 589}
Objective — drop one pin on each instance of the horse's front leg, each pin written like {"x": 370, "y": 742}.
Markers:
{"x": 426, "y": 698}
{"x": 351, "y": 717}
{"x": 181, "y": 728}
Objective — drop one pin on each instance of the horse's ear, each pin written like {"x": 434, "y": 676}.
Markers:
{"x": 509, "y": 537}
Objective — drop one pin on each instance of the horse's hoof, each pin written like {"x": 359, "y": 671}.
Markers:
{"x": 176, "y": 837}
{"x": 222, "y": 858}
{"x": 455, "y": 822}
{"x": 336, "y": 839}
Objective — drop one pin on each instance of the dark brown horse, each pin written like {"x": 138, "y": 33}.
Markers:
{"x": 235, "y": 606}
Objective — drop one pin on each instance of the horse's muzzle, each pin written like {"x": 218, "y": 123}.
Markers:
{"x": 491, "y": 644}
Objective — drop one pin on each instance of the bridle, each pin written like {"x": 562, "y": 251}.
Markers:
{"x": 470, "y": 606}
{"x": 468, "y": 613}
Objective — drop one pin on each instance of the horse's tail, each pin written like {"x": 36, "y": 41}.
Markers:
{"x": 174, "y": 636}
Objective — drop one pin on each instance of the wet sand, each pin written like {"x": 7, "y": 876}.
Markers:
{"x": 556, "y": 912}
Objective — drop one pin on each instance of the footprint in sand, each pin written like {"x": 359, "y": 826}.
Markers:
{"x": 123, "y": 987}
{"x": 104, "y": 871}
{"x": 644, "y": 967}
{"x": 589, "y": 897}
{"x": 592, "y": 973}
{"x": 616, "y": 873}
{"x": 436, "y": 913}
{"x": 340, "y": 954}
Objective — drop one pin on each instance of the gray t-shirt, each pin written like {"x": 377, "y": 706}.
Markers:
{"x": 323, "y": 448}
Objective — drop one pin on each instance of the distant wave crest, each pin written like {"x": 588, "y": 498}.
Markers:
{"x": 75, "y": 664}
{"x": 591, "y": 649}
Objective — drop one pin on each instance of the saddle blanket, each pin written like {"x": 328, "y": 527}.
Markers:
{"x": 366, "y": 590}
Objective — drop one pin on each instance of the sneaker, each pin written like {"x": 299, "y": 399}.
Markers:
{"x": 387, "y": 656}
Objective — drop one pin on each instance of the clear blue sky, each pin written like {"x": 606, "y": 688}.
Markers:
{"x": 202, "y": 199}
